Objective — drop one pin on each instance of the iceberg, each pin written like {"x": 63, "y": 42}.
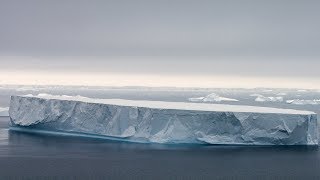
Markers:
{"x": 213, "y": 97}
{"x": 282, "y": 94}
{"x": 163, "y": 122}
{"x": 269, "y": 99}
{"x": 303, "y": 102}
{"x": 261, "y": 98}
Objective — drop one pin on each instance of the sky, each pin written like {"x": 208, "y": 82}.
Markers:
{"x": 184, "y": 43}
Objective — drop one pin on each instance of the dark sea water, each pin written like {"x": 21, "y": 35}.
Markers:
{"x": 38, "y": 156}
{"x": 33, "y": 156}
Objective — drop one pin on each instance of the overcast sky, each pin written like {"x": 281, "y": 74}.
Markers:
{"x": 249, "y": 39}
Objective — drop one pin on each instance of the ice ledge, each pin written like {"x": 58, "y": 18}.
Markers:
{"x": 165, "y": 122}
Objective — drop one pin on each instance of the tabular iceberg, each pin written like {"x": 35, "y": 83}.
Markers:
{"x": 163, "y": 122}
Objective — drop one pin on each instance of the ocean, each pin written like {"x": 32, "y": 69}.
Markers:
{"x": 35, "y": 156}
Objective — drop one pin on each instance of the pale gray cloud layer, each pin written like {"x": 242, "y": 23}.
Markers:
{"x": 280, "y": 37}
{"x": 160, "y": 27}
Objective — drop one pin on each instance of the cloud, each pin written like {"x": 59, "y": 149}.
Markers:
{"x": 143, "y": 27}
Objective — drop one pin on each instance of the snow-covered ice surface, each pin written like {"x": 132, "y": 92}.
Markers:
{"x": 4, "y": 111}
{"x": 164, "y": 122}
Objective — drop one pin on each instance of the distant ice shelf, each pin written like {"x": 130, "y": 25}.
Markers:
{"x": 163, "y": 122}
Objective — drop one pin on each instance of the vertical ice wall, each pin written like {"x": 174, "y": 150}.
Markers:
{"x": 164, "y": 122}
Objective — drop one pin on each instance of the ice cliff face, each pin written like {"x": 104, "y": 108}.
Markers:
{"x": 164, "y": 122}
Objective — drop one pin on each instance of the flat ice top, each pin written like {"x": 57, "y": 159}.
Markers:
{"x": 175, "y": 105}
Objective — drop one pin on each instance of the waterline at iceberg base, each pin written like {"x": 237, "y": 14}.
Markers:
{"x": 163, "y": 122}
